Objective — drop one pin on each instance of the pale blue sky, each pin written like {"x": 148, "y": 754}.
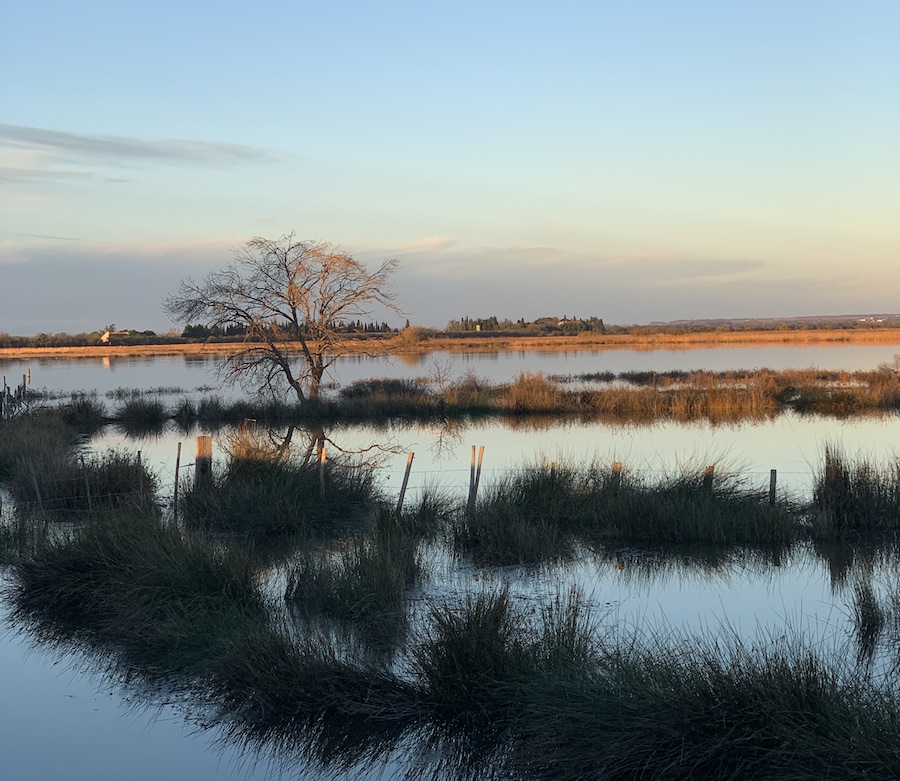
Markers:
{"x": 636, "y": 161}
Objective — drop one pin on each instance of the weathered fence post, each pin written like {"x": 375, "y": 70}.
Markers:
{"x": 708, "y": 478}
{"x": 203, "y": 463}
{"x": 773, "y": 477}
{"x": 140, "y": 476}
{"x": 474, "y": 479}
{"x": 409, "y": 462}
{"x": 175, "y": 493}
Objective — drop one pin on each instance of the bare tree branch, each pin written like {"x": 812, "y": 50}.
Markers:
{"x": 292, "y": 298}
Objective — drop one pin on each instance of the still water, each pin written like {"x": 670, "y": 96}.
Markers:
{"x": 190, "y": 372}
{"x": 65, "y": 719}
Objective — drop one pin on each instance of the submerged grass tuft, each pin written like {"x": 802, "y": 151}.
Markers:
{"x": 366, "y": 580}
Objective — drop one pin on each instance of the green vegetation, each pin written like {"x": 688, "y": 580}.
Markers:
{"x": 264, "y": 497}
{"x": 541, "y": 695}
{"x": 852, "y": 498}
{"x": 343, "y": 645}
{"x": 365, "y": 580}
{"x": 549, "y": 512}
{"x": 170, "y": 599}
{"x": 141, "y": 415}
{"x": 84, "y": 413}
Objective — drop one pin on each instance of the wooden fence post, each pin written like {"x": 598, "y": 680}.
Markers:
{"x": 474, "y": 479}
{"x": 773, "y": 477}
{"x": 140, "y": 476}
{"x": 203, "y": 463}
{"x": 175, "y": 493}
{"x": 409, "y": 462}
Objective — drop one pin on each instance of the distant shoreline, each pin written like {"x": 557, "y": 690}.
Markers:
{"x": 489, "y": 342}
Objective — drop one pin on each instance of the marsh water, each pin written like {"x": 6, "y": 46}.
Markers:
{"x": 65, "y": 717}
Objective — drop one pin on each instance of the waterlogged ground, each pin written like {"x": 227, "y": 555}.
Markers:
{"x": 65, "y": 716}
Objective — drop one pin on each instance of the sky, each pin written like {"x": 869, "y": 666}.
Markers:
{"x": 637, "y": 161}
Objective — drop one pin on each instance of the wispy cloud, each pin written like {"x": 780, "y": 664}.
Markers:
{"x": 124, "y": 149}
{"x": 33, "y": 157}
{"x": 427, "y": 244}
{"x": 40, "y": 236}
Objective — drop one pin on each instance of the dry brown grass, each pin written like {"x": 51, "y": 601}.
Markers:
{"x": 488, "y": 343}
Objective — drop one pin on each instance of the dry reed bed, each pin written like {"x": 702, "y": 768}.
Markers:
{"x": 627, "y": 397}
{"x": 427, "y": 342}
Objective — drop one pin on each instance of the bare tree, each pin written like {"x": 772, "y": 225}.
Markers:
{"x": 295, "y": 300}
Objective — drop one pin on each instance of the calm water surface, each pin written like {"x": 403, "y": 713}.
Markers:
{"x": 189, "y": 372}
{"x": 64, "y": 720}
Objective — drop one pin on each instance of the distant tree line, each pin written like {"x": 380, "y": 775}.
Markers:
{"x": 543, "y": 326}
{"x": 85, "y": 339}
{"x": 237, "y": 332}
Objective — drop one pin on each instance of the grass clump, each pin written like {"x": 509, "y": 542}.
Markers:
{"x": 532, "y": 392}
{"x": 141, "y": 415}
{"x": 529, "y": 516}
{"x": 133, "y": 581}
{"x": 386, "y": 396}
{"x": 851, "y": 498}
{"x": 366, "y": 581}
{"x": 693, "y": 506}
{"x": 472, "y": 658}
{"x": 262, "y": 497}
{"x": 32, "y": 439}
{"x": 655, "y": 709}
{"x": 65, "y": 486}
{"x": 84, "y": 413}
{"x": 545, "y": 513}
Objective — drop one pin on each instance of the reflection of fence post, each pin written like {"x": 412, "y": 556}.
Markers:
{"x": 409, "y": 462}
{"x": 203, "y": 463}
{"x": 87, "y": 488}
{"x": 708, "y": 478}
{"x": 474, "y": 479}
{"x": 773, "y": 476}
{"x": 322, "y": 472}
{"x": 175, "y": 493}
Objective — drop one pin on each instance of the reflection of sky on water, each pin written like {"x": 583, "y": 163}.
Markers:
{"x": 791, "y": 444}
{"x": 189, "y": 372}
{"x": 96, "y": 736}
{"x": 748, "y": 596}
{"x": 61, "y": 723}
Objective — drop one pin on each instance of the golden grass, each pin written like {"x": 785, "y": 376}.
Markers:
{"x": 489, "y": 343}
